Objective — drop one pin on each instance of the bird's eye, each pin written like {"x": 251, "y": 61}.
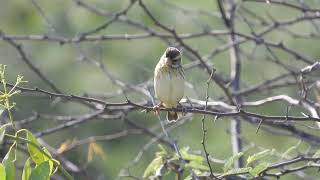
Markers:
{"x": 176, "y": 59}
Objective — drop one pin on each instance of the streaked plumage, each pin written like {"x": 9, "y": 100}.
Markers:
{"x": 169, "y": 80}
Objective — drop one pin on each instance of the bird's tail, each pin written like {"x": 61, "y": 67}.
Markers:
{"x": 172, "y": 116}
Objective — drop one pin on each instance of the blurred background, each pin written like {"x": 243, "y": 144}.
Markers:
{"x": 112, "y": 62}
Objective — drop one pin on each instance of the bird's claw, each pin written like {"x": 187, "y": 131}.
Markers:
{"x": 156, "y": 108}
{"x": 183, "y": 109}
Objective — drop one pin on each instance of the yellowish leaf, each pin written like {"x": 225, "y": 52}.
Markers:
{"x": 95, "y": 149}
{"x": 64, "y": 146}
{"x": 90, "y": 153}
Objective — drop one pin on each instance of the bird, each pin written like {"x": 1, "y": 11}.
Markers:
{"x": 169, "y": 82}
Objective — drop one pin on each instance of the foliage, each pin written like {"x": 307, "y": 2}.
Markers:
{"x": 43, "y": 160}
{"x": 259, "y": 156}
{"x": 166, "y": 162}
{"x": 231, "y": 161}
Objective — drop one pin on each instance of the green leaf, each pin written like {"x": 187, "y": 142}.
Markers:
{"x": 37, "y": 156}
{"x": 8, "y": 162}
{"x": 188, "y": 156}
{"x": 192, "y": 157}
{"x": 258, "y": 169}
{"x": 163, "y": 150}
{"x": 2, "y": 172}
{"x": 197, "y": 165}
{"x": 2, "y": 131}
{"x": 258, "y": 156}
{"x": 26, "y": 170}
{"x": 293, "y": 148}
{"x": 316, "y": 154}
{"x": 41, "y": 172}
{"x": 153, "y": 167}
{"x": 231, "y": 160}
{"x": 237, "y": 171}
{"x": 34, "y": 152}
{"x": 10, "y": 171}
{"x": 184, "y": 149}
{"x": 48, "y": 159}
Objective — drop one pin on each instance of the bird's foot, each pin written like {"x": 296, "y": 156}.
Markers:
{"x": 183, "y": 109}
{"x": 156, "y": 108}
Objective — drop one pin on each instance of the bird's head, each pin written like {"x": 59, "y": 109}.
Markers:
{"x": 173, "y": 57}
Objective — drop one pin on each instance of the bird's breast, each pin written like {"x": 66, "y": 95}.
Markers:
{"x": 169, "y": 86}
